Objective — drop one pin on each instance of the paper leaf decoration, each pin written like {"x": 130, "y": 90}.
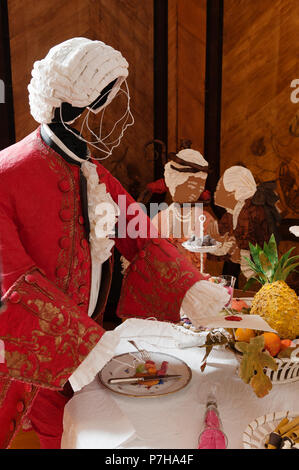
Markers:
{"x": 213, "y": 339}
{"x": 261, "y": 384}
{"x": 252, "y": 364}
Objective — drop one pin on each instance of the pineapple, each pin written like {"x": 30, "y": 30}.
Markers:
{"x": 276, "y": 302}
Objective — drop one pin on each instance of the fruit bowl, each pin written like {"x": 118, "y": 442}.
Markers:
{"x": 287, "y": 370}
{"x": 260, "y": 365}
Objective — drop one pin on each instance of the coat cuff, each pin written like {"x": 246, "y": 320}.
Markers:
{"x": 203, "y": 301}
{"x": 46, "y": 335}
{"x": 156, "y": 282}
{"x": 95, "y": 361}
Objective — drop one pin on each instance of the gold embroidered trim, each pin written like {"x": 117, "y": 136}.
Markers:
{"x": 60, "y": 333}
{"x": 165, "y": 275}
{"x": 4, "y": 389}
{"x": 71, "y": 229}
{"x": 60, "y": 167}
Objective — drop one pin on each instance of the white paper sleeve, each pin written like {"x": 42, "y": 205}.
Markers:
{"x": 202, "y": 305}
{"x": 203, "y": 299}
{"x": 96, "y": 359}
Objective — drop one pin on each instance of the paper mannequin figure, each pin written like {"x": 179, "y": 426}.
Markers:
{"x": 185, "y": 176}
{"x": 251, "y": 215}
{"x": 59, "y": 211}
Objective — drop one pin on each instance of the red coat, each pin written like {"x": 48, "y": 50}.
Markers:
{"x": 46, "y": 276}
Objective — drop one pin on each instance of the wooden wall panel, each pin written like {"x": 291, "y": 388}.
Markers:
{"x": 259, "y": 121}
{"x": 172, "y": 75}
{"x": 186, "y": 63}
{"x": 34, "y": 29}
{"x": 126, "y": 25}
{"x": 7, "y": 136}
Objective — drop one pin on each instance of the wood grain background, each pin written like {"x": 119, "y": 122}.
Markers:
{"x": 186, "y": 72}
{"x": 260, "y": 124}
{"x": 259, "y": 121}
{"x": 126, "y": 25}
{"x": 7, "y": 136}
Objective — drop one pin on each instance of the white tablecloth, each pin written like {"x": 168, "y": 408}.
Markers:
{"x": 98, "y": 418}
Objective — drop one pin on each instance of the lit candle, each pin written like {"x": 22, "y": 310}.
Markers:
{"x": 202, "y": 219}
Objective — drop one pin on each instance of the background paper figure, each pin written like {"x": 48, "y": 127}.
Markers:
{"x": 185, "y": 176}
{"x": 251, "y": 216}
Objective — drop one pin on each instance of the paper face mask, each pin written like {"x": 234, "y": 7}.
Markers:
{"x": 188, "y": 190}
{"x": 224, "y": 198}
{"x": 186, "y": 175}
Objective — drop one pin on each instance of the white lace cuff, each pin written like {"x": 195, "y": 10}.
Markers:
{"x": 96, "y": 359}
{"x": 203, "y": 300}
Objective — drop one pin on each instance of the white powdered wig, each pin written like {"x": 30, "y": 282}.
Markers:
{"x": 239, "y": 180}
{"x": 295, "y": 230}
{"x": 175, "y": 178}
{"x": 75, "y": 71}
{"x": 192, "y": 156}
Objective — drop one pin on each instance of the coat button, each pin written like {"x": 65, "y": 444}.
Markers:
{"x": 81, "y": 220}
{"x": 20, "y": 406}
{"x": 142, "y": 254}
{"x": 134, "y": 267}
{"x": 64, "y": 186}
{"x": 64, "y": 242}
{"x": 65, "y": 214}
{"x": 85, "y": 265}
{"x": 30, "y": 279}
{"x": 156, "y": 241}
{"x": 84, "y": 243}
{"x": 61, "y": 272}
{"x": 15, "y": 297}
{"x": 28, "y": 388}
{"x": 12, "y": 425}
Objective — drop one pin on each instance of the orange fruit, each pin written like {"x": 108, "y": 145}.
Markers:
{"x": 285, "y": 343}
{"x": 272, "y": 343}
{"x": 244, "y": 334}
{"x": 238, "y": 304}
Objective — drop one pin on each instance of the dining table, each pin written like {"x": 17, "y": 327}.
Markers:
{"x": 98, "y": 418}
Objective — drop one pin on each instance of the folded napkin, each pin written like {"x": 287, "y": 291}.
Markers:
{"x": 159, "y": 334}
{"x": 100, "y": 426}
